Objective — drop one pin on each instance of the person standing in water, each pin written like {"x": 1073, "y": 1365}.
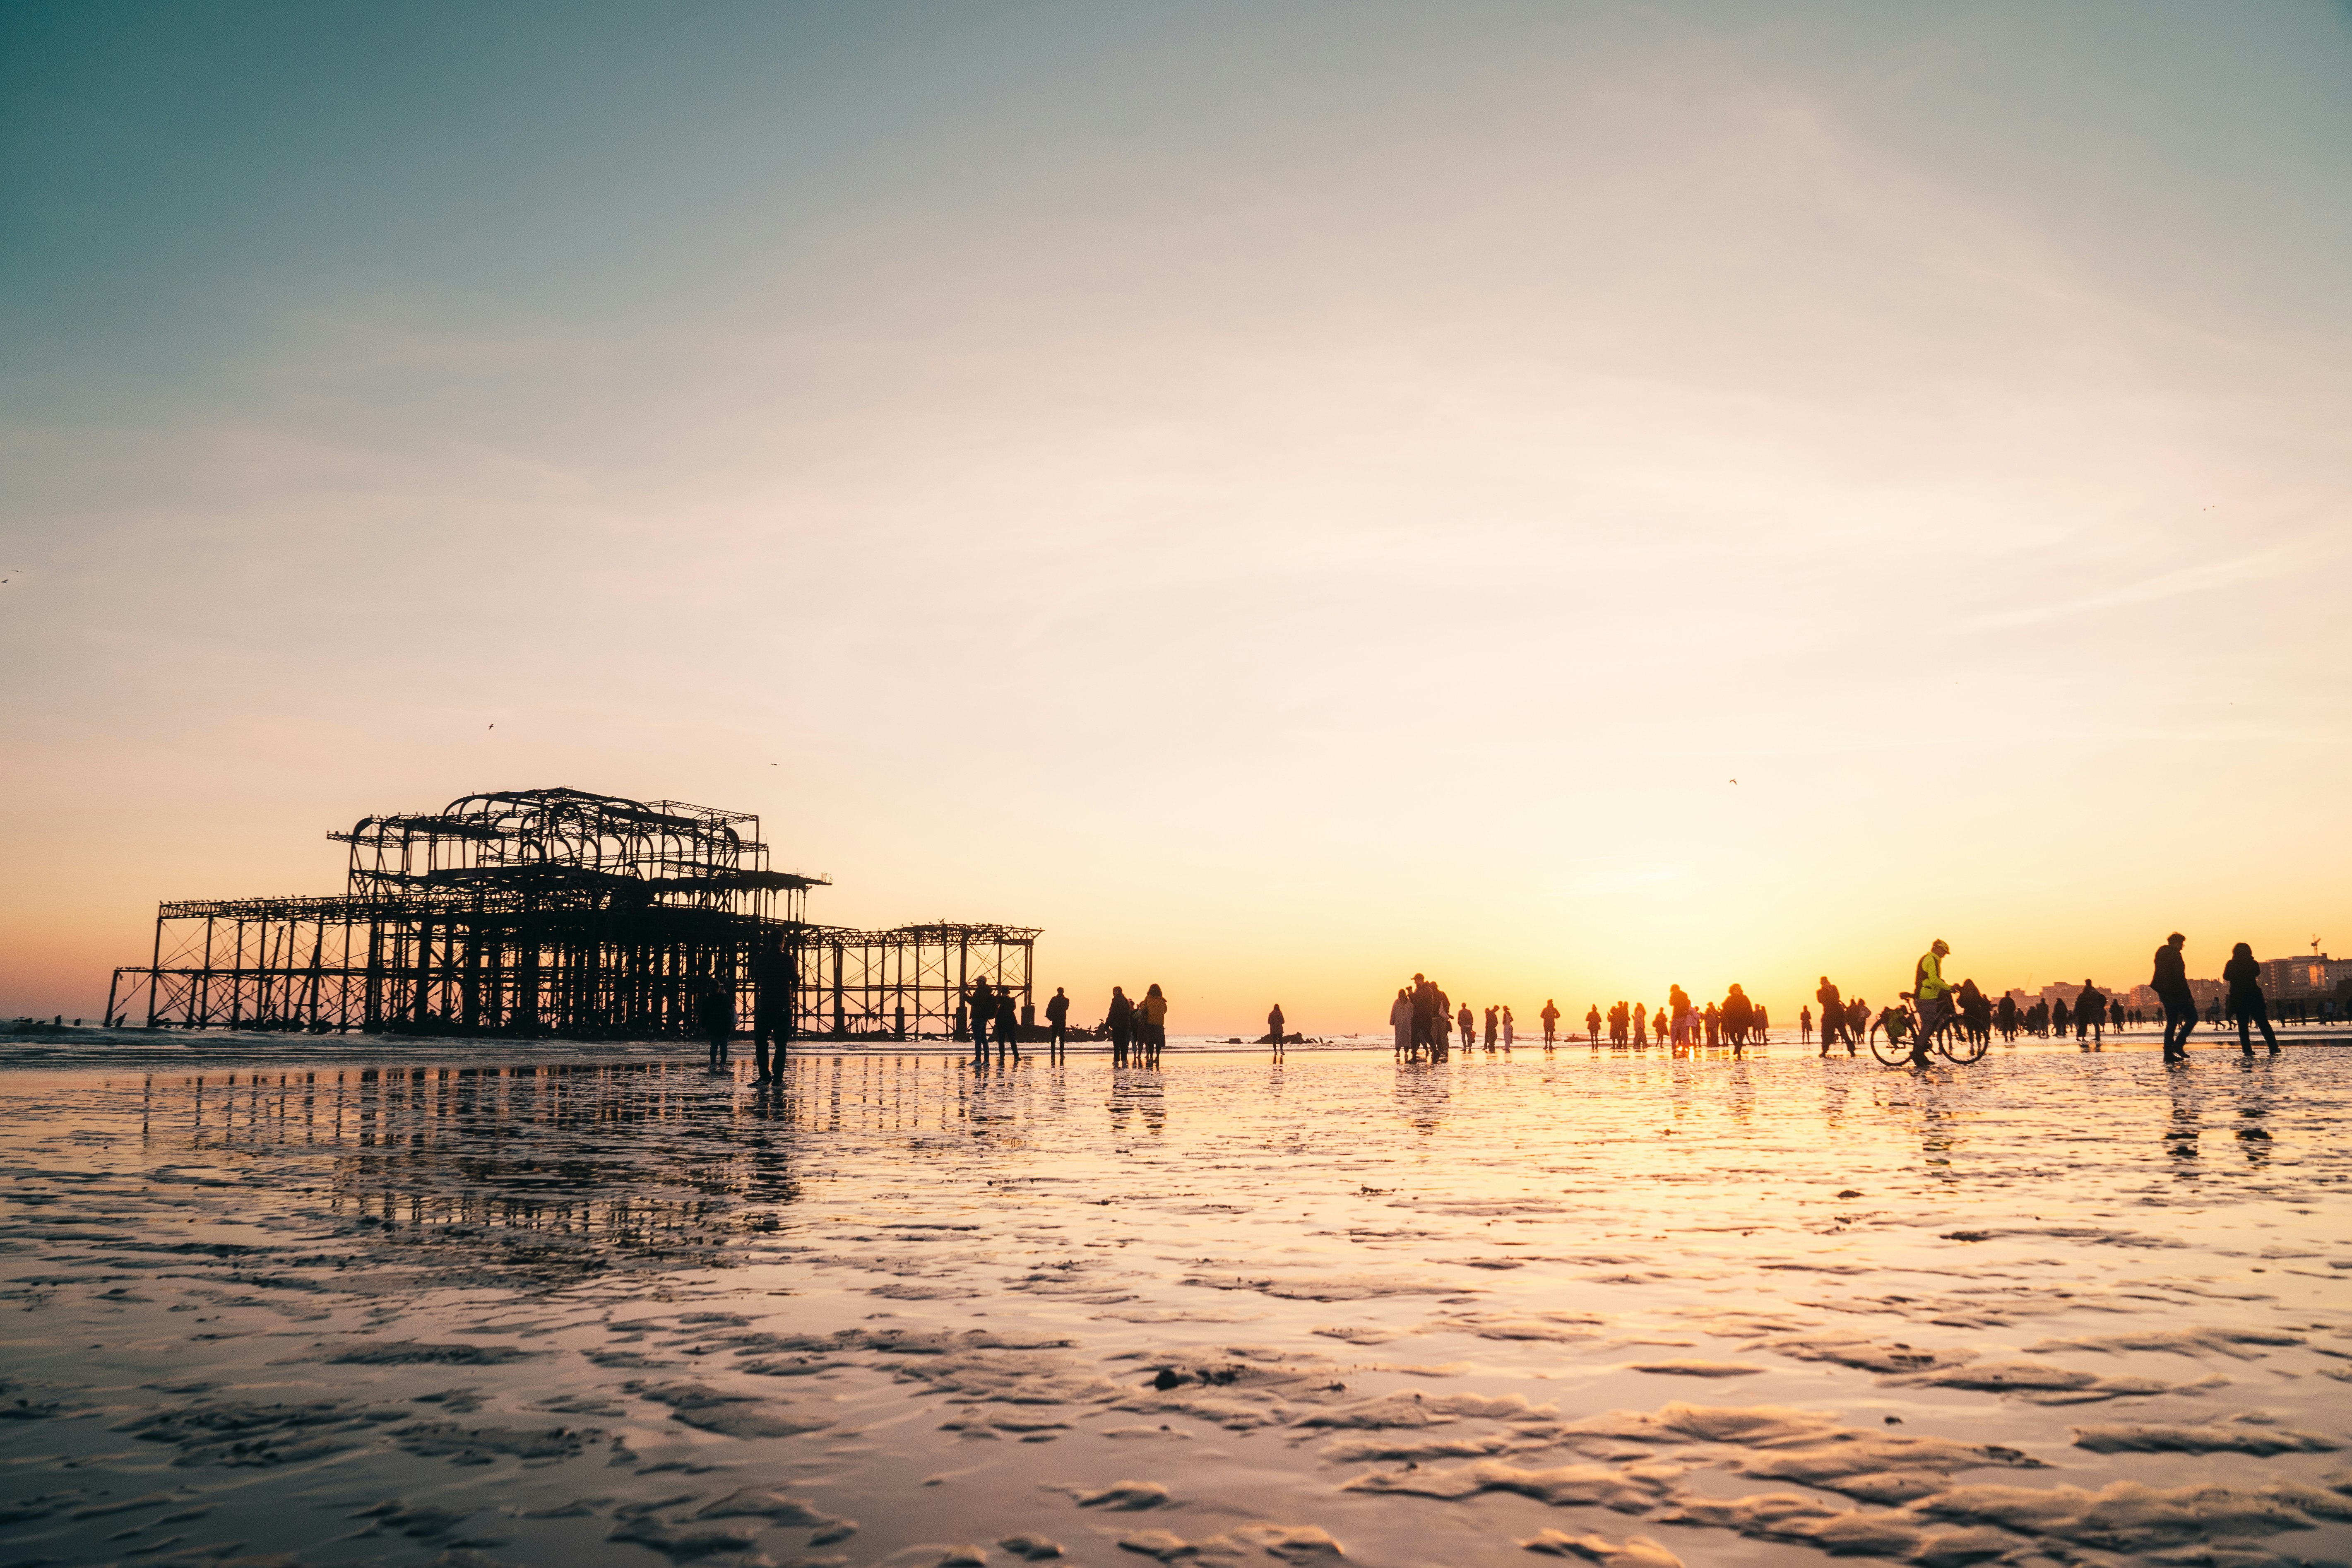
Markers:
{"x": 1468, "y": 1026}
{"x": 1494, "y": 1025}
{"x": 2247, "y": 1002}
{"x": 1592, "y": 1024}
{"x": 1273, "y": 1028}
{"x": 1400, "y": 1020}
{"x": 1510, "y": 1034}
{"x": 1550, "y": 1017}
{"x": 1155, "y": 1022}
{"x": 1008, "y": 1024}
{"x": 1120, "y": 1020}
{"x": 1057, "y": 1021}
{"x": 981, "y": 1007}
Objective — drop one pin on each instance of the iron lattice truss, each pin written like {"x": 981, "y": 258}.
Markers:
{"x": 556, "y": 913}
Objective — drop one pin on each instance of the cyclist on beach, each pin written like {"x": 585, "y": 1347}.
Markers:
{"x": 1934, "y": 998}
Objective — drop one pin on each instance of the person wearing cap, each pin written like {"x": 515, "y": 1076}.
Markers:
{"x": 1934, "y": 996}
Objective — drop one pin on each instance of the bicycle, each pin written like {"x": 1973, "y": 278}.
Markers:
{"x": 1950, "y": 1040}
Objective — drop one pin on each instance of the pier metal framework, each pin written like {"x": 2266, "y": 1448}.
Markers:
{"x": 553, "y": 912}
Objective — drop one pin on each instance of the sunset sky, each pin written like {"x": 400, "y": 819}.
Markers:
{"x": 1280, "y": 496}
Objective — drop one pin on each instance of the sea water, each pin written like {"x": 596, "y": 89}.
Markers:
{"x": 424, "y": 1305}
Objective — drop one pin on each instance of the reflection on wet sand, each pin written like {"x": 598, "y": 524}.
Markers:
{"x": 913, "y": 1309}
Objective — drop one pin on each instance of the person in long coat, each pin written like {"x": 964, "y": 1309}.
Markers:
{"x": 1400, "y": 1020}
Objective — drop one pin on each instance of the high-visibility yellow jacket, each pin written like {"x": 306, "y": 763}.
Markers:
{"x": 1931, "y": 977}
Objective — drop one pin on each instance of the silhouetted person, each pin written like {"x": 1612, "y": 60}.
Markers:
{"x": 1739, "y": 1017}
{"x": 2008, "y": 1016}
{"x": 1805, "y": 1027}
{"x": 718, "y": 1020}
{"x": 1424, "y": 1012}
{"x": 772, "y": 985}
{"x": 1550, "y": 1017}
{"x": 2170, "y": 983}
{"x": 1640, "y": 1024}
{"x": 1468, "y": 1026}
{"x": 1120, "y": 1020}
{"x": 984, "y": 1012}
{"x": 2090, "y": 1013}
{"x": 1400, "y": 1021}
{"x": 1273, "y": 1022}
{"x": 1008, "y": 1024}
{"x": 1933, "y": 994}
{"x": 1155, "y": 1022}
{"x": 1494, "y": 1025}
{"x": 2246, "y": 999}
{"x": 2061, "y": 1019}
{"x": 1832, "y": 1017}
{"x": 1592, "y": 1024}
{"x": 1057, "y": 1020}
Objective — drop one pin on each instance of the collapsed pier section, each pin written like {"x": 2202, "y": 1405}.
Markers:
{"x": 553, "y": 912}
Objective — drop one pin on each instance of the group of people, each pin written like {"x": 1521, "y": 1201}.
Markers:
{"x": 1138, "y": 1027}
{"x": 1738, "y": 1021}
{"x": 1965, "y": 1012}
{"x": 1426, "y": 1019}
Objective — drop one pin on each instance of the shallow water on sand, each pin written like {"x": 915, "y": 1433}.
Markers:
{"x": 2054, "y": 1307}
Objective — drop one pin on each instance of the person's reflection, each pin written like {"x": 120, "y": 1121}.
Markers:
{"x": 2253, "y": 1111}
{"x": 1138, "y": 1088}
{"x": 1422, "y": 1096}
{"x": 2180, "y": 1138}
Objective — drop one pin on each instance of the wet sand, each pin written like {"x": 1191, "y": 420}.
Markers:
{"x": 1625, "y": 1309}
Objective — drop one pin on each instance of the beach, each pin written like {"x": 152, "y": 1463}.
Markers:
{"x": 446, "y": 1302}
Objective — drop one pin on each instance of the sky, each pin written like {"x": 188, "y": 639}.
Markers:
{"x": 1570, "y": 500}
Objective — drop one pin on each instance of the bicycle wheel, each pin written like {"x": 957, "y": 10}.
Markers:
{"x": 1957, "y": 1047}
{"x": 1890, "y": 1051}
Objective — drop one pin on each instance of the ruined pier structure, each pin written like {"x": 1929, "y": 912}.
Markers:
{"x": 553, "y": 912}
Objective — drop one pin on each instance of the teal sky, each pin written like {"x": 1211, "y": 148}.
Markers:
{"x": 1278, "y": 496}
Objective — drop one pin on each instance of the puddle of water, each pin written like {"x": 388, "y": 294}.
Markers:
{"x": 903, "y": 1310}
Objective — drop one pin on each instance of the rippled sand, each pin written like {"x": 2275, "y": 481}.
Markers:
{"x": 1626, "y": 1310}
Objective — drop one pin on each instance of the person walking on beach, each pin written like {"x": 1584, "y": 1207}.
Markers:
{"x": 1468, "y": 1026}
{"x": 1510, "y": 1034}
{"x": 1057, "y": 1021}
{"x": 1934, "y": 997}
{"x": 1424, "y": 1012}
{"x": 1592, "y": 1024}
{"x": 1273, "y": 1028}
{"x": 772, "y": 984}
{"x": 2061, "y": 1019}
{"x": 1119, "y": 1021}
{"x": 1008, "y": 1024}
{"x": 1805, "y": 1027}
{"x": 2170, "y": 983}
{"x": 2246, "y": 999}
{"x": 1494, "y": 1025}
{"x": 1833, "y": 1016}
{"x": 2090, "y": 1013}
{"x": 1550, "y": 1017}
{"x": 1400, "y": 1021}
